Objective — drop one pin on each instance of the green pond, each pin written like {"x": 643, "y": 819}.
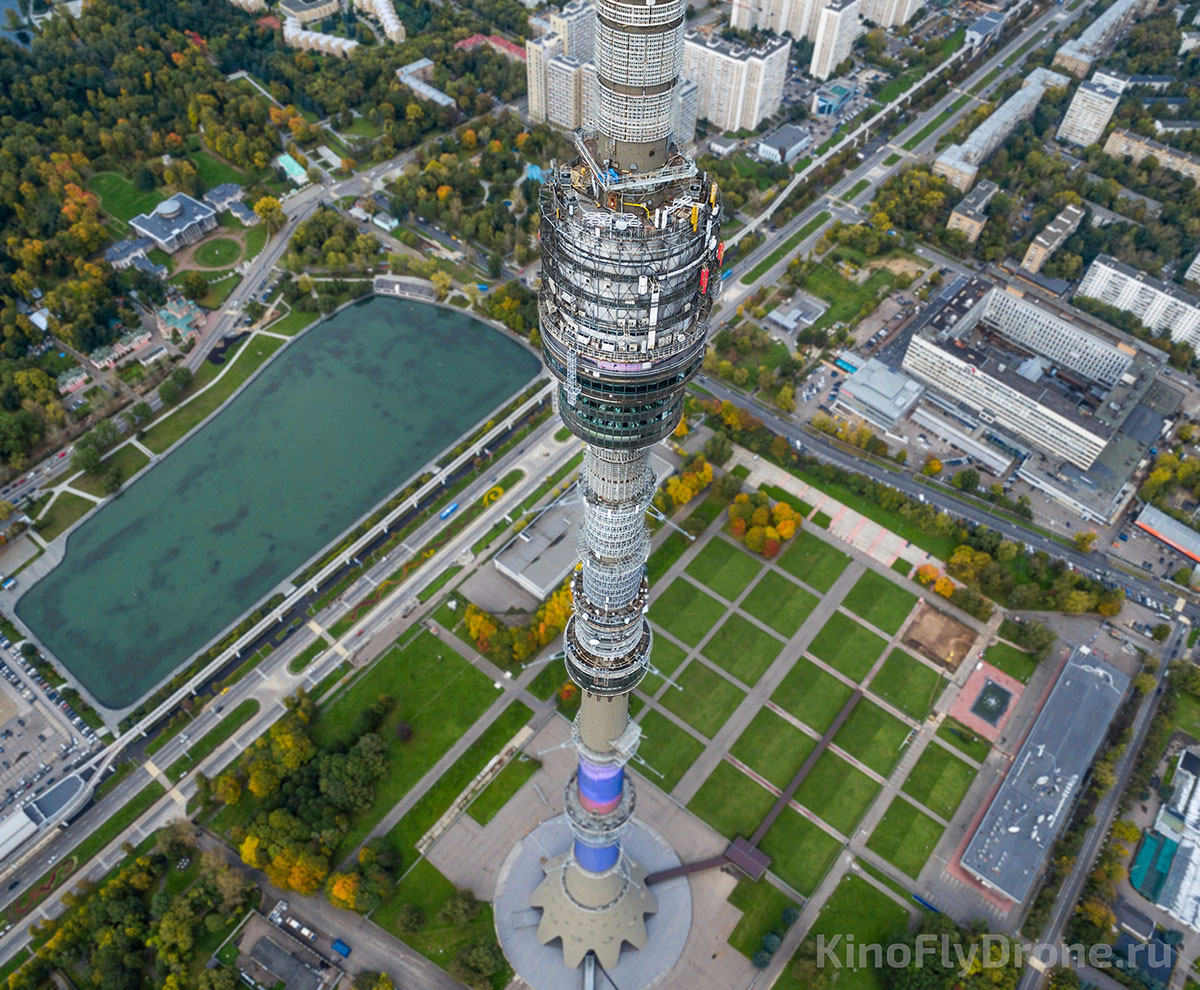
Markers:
{"x": 329, "y": 429}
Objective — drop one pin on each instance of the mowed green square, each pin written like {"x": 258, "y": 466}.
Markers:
{"x": 905, "y": 836}
{"x": 666, "y": 657}
{"x": 939, "y": 780}
{"x": 883, "y": 604}
{"x": 706, "y": 700}
{"x": 685, "y": 611}
{"x": 667, "y": 748}
{"x": 813, "y": 561}
{"x": 873, "y": 736}
{"x": 724, "y": 567}
{"x": 812, "y": 695}
{"x": 907, "y": 683}
{"x": 845, "y": 644}
{"x": 801, "y": 852}
{"x": 781, "y": 604}
{"x": 836, "y": 792}
{"x": 731, "y": 802}
{"x": 1016, "y": 663}
{"x": 773, "y": 747}
{"x": 743, "y": 649}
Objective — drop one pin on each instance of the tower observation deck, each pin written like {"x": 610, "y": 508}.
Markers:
{"x": 630, "y": 271}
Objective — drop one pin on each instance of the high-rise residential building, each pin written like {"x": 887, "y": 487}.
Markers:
{"x": 589, "y": 97}
{"x": 575, "y": 23}
{"x": 1052, "y": 238}
{"x": 564, "y": 100}
{"x": 631, "y": 256}
{"x": 1078, "y": 55}
{"x": 795, "y": 17}
{"x": 1089, "y": 113}
{"x": 1164, "y": 308}
{"x": 687, "y": 105}
{"x": 1122, "y": 142}
{"x": 838, "y": 27}
{"x": 739, "y": 86}
{"x": 889, "y": 13}
{"x": 539, "y": 52}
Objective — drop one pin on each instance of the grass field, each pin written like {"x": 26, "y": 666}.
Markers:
{"x": 848, "y": 646}
{"x": 859, "y": 909}
{"x": 891, "y": 160}
{"x": 667, "y": 748}
{"x": 800, "y": 851}
{"x": 907, "y": 683}
{"x": 437, "y": 692}
{"x": 731, "y": 802}
{"x": 128, "y": 460}
{"x": 119, "y": 198}
{"x": 905, "y": 836}
{"x": 836, "y": 792}
{"x": 780, "y": 603}
{"x": 685, "y": 611}
{"x": 219, "y": 252}
{"x": 742, "y": 649}
{"x": 665, "y": 554}
{"x": 855, "y": 189}
{"x": 198, "y": 408}
{"x": 255, "y": 239}
{"x": 63, "y": 511}
{"x": 501, "y": 789}
{"x": 707, "y": 698}
{"x": 724, "y": 568}
{"x": 293, "y": 322}
{"x": 880, "y": 602}
{"x": 773, "y": 747}
{"x": 219, "y": 291}
{"x": 873, "y": 736}
{"x": 208, "y": 743}
{"x": 963, "y": 739}
{"x": 772, "y": 259}
{"x": 762, "y": 905}
{"x": 813, "y": 561}
{"x": 212, "y": 171}
{"x": 846, "y": 299}
{"x": 665, "y": 656}
{"x": 939, "y": 781}
{"x": 1012, "y": 661}
{"x": 812, "y": 695}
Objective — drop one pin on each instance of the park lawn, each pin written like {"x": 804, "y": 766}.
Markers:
{"x": 362, "y": 127}
{"x": 293, "y": 322}
{"x": 666, "y": 748}
{"x": 801, "y": 852}
{"x": 905, "y": 836}
{"x": 437, "y": 692}
{"x": 666, "y": 657}
{"x": 706, "y": 700}
{"x": 217, "y": 252}
{"x": 731, "y": 802}
{"x": 63, "y": 511}
{"x": 891, "y": 160}
{"x": 666, "y": 554}
{"x": 742, "y": 649}
{"x": 812, "y": 695}
{"x": 549, "y": 679}
{"x": 725, "y": 568}
{"x": 201, "y": 405}
{"x": 213, "y": 738}
{"x": 211, "y": 171}
{"x": 847, "y": 646}
{"x": 907, "y": 683}
{"x": 255, "y": 239}
{"x": 976, "y": 747}
{"x": 939, "y": 780}
{"x": 762, "y": 905}
{"x": 502, "y": 787}
{"x": 685, "y": 611}
{"x": 1016, "y": 663}
{"x": 427, "y": 889}
{"x": 773, "y": 747}
{"x": 836, "y": 792}
{"x": 855, "y": 189}
{"x": 307, "y": 655}
{"x": 879, "y": 601}
{"x": 780, "y": 603}
{"x": 119, "y": 198}
{"x": 219, "y": 291}
{"x": 846, "y": 299}
{"x": 873, "y": 736}
{"x": 813, "y": 561}
{"x": 856, "y": 909}
{"x": 129, "y": 460}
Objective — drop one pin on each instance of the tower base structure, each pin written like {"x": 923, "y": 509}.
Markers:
{"x": 542, "y": 941}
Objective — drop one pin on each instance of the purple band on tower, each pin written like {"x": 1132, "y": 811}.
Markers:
{"x": 600, "y": 786}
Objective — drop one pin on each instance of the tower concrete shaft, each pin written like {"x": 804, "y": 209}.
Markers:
{"x": 630, "y": 272}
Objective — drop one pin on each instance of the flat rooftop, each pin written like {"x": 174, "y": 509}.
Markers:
{"x": 1172, "y": 532}
{"x": 877, "y": 387}
{"x": 975, "y": 202}
{"x": 1035, "y": 800}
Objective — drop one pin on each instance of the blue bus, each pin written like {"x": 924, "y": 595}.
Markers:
{"x": 447, "y": 512}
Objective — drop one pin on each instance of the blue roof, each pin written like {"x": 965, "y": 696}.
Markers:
{"x": 223, "y": 193}
{"x": 171, "y": 216}
{"x": 123, "y": 249}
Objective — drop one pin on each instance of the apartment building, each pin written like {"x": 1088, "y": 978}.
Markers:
{"x": 1078, "y": 55}
{"x": 1122, "y": 143}
{"x": 1164, "y": 308}
{"x": 889, "y": 13}
{"x": 564, "y": 97}
{"x": 838, "y": 27}
{"x": 1052, "y": 238}
{"x": 385, "y": 13}
{"x": 686, "y": 110}
{"x": 970, "y": 215}
{"x": 575, "y": 23}
{"x": 795, "y": 17}
{"x": 307, "y": 11}
{"x": 1089, "y": 113}
{"x": 738, "y": 86}
{"x": 539, "y": 52}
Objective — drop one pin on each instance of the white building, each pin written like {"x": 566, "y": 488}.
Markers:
{"x": 251, "y": 6}
{"x": 1164, "y": 308}
{"x": 983, "y": 30}
{"x": 795, "y": 17}
{"x": 385, "y": 14}
{"x": 889, "y": 13}
{"x": 1078, "y": 55}
{"x": 738, "y": 86}
{"x": 564, "y": 102}
{"x": 785, "y": 145}
{"x": 575, "y": 23}
{"x": 176, "y": 222}
{"x": 838, "y": 27}
{"x": 1193, "y": 272}
{"x": 687, "y": 105}
{"x": 295, "y": 35}
{"x": 539, "y": 52}
{"x": 1089, "y": 113}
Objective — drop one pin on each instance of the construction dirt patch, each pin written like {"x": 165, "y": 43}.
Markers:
{"x": 940, "y": 638}
{"x": 899, "y": 266}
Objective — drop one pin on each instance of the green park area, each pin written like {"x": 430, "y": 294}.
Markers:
{"x": 706, "y": 700}
{"x": 881, "y": 602}
{"x": 685, "y": 611}
{"x": 966, "y": 741}
{"x": 1008, "y": 659}
{"x": 847, "y": 646}
{"x": 742, "y": 649}
{"x": 61, "y": 514}
{"x": 724, "y": 567}
{"x": 762, "y": 905}
{"x": 773, "y": 747}
{"x": 667, "y": 749}
{"x": 119, "y": 198}
{"x": 939, "y": 780}
{"x": 780, "y": 603}
{"x": 847, "y": 299}
{"x": 813, "y": 561}
{"x": 837, "y": 792}
{"x": 905, "y": 836}
{"x": 812, "y": 695}
{"x": 801, "y": 852}
{"x": 218, "y": 252}
{"x": 873, "y": 737}
{"x": 781, "y": 252}
{"x": 907, "y": 683}
{"x": 127, "y": 460}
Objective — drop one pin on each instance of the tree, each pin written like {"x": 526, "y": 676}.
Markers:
{"x": 441, "y": 283}
{"x": 140, "y": 412}
{"x": 409, "y": 918}
{"x": 181, "y": 375}
{"x": 170, "y": 392}
{"x": 932, "y": 466}
{"x": 193, "y": 284}
{"x": 966, "y": 480}
{"x": 785, "y": 398}
{"x": 86, "y": 457}
{"x": 270, "y": 212}
{"x": 227, "y": 788}
{"x": 1084, "y": 540}
{"x": 1160, "y": 632}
